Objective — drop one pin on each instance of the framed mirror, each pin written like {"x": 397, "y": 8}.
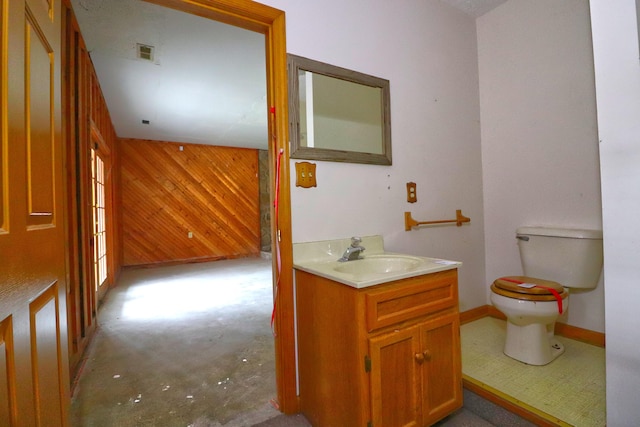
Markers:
{"x": 338, "y": 115}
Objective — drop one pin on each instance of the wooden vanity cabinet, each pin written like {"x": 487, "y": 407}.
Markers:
{"x": 382, "y": 356}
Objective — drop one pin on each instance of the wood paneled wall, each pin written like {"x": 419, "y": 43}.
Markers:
{"x": 170, "y": 190}
{"x": 87, "y": 125}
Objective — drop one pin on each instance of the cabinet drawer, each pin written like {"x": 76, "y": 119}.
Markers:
{"x": 410, "y": 298}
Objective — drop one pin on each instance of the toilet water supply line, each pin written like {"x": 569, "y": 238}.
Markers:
{"x": 555, "y": 293}
{"x": 276, "y": 203}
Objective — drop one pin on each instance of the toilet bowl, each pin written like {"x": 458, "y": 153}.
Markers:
{"x": 554, "y": 260}
{"x": 531, "y": 308}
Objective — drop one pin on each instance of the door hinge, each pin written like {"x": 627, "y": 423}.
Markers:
{"x": 369, "y": 424}
{"x": 367, "y": 364}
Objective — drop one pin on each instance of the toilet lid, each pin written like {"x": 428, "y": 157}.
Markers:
{"x": 517, "y": 287}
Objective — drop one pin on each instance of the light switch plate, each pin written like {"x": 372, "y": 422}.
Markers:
{"x": 305, "y": 174}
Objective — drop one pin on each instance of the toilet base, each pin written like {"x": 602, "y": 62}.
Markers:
{"x": 533, "y": 344}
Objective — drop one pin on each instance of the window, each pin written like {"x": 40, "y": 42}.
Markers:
{"x": 99, "y": 220}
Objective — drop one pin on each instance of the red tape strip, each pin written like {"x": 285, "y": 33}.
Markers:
{"x": 555, "y": 293}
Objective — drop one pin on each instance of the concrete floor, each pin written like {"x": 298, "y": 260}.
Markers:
{"x": 191, "y": 345}
{"x": 183, "y": 345}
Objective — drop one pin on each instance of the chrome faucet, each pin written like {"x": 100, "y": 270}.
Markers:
{"x": 353, "y": 251}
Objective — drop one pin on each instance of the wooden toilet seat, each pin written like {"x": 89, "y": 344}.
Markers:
{"x": 511, "y": 287}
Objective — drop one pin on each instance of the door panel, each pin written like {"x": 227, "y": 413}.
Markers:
{"x": 7, "y": 374}
{"x": 46, "y": 356}
{"x": 39, "y": 119}
{"x": 33, "y": 330}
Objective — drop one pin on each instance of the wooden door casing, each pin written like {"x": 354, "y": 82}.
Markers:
{"x": 81, "y": 301}
{"x": 33, "y": 323}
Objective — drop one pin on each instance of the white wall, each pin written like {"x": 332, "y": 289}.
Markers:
{"x": 539, "y": 132}
{"x": 428, "y": 52}
{"x": 617, "y": 68}
{"x": 537, "y": 96}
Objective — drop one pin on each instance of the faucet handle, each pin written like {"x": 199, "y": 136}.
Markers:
{"x": 355, "y": 241}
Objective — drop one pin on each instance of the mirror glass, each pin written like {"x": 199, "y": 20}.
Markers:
{"x": 338, "y": 114}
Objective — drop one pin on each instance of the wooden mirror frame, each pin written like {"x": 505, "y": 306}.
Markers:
{"x": 297, "y": 63}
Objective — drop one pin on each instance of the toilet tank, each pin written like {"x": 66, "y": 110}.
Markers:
{"x": 571, "y": 257}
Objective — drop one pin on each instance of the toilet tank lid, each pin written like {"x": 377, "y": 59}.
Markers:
{"x": 573, "y": 233}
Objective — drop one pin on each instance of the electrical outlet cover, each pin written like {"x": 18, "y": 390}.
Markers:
{"x": 412, "y": 195}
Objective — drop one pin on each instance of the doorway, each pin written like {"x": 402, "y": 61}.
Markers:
{"x": 265, "y": 20}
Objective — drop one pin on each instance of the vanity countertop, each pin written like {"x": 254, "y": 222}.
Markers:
{"x": 376, "y": 266}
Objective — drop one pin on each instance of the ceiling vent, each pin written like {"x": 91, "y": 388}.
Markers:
{"x": 145, "y": 52}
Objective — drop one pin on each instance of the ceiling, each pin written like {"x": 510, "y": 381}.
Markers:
{"x": 206, "y": 81}
{"x": 475, "y": 8}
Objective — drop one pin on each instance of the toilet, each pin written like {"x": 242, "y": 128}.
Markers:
{"x": 554, "y": 260}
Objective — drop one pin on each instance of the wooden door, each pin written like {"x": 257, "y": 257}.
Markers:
{"x": 441, "y": 371}
{"x": 395, "y": 387}
{"x": 33, "y": 327}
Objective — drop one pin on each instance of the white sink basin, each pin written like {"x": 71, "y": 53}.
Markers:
{"x": 376, "y": 266}
{"x": 379, "y": 264}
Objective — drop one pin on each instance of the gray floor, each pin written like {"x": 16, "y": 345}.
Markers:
{"x": 478, "y": 412}
{"x": 192, "y": 346}
{"x": 182, "y": 346}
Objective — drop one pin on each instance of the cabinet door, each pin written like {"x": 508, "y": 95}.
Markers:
{"x": 395, "y": 378}
{"x": 441, "y": 371}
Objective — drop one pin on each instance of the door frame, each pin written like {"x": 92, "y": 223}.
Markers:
{"x": 269, "y": 21}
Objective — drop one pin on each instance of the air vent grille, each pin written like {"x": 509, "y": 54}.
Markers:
{"x": 145, "y": 52}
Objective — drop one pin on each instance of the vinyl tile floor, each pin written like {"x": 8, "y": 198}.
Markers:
{"x": 568, "y": 391}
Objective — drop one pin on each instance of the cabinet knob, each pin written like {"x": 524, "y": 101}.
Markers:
{"x": 419, "y": 357}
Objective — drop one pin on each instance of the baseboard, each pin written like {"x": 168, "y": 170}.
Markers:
{"x": 562, "y": 329}
{"x": 480, "y": 312}
{"x": 188, "y": 261}
{"x": 580, "y": 334}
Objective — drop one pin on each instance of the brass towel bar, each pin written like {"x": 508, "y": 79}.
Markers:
{"x": 410, "y": 222}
